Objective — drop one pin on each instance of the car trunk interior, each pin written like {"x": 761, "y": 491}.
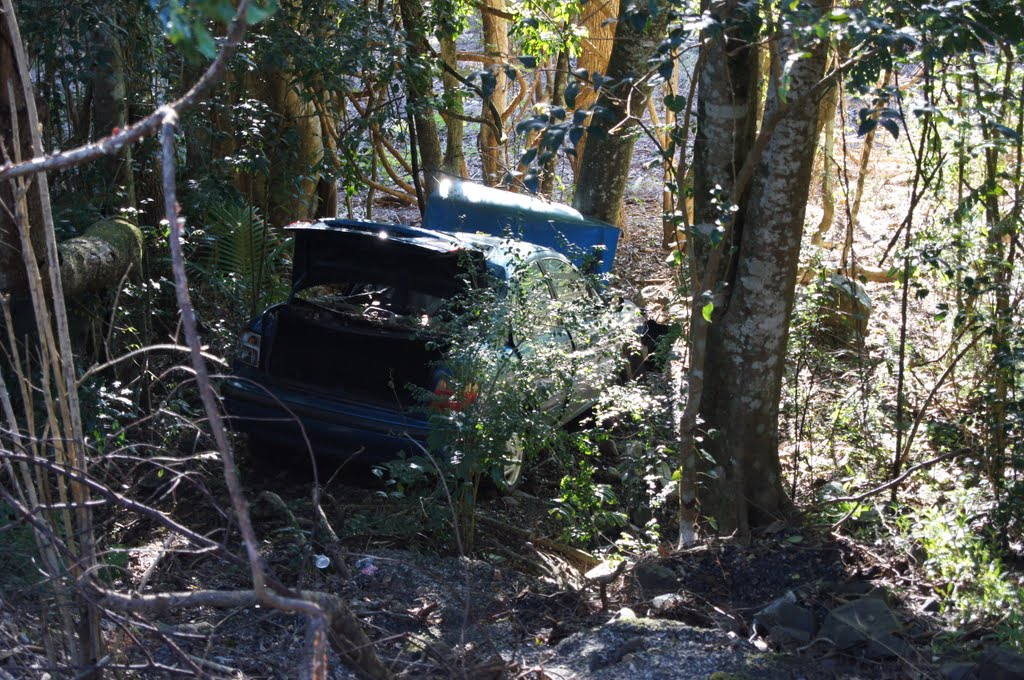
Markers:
{"x": 361, "y": 358}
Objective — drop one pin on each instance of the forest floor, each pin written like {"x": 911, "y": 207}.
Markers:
{"x": 794, "y": 602}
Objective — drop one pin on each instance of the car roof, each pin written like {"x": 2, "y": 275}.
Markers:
{"x": 497, "y": 251}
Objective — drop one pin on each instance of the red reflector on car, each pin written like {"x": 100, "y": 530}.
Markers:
{"x": 447, "y": 399}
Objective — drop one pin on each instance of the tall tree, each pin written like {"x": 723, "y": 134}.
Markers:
{"x": 754, "y": 292}
{"x": 604, "y": 164}
{"x": 496, "y": 54}
{"x": 109, "y": 113}
{"x": 420, "y": 91}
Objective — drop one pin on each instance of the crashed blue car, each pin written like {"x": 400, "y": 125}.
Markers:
{"x": 342, "y": 365}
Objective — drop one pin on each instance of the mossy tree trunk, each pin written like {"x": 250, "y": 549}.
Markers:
{"x": 99, "y": 258}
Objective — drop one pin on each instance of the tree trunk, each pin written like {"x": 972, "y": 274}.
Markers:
{"x": 419, "y": 89}
{"x": 827, "y": 120}
{"x": 746, "y": 345}
{"x": 726, "y": 127}
{"x": 110, "y": 112}
{"x": 454, "y": 155}
{"x": 726, "y": 123}
{"x": 599, "y": 20}
{"x": 287, "y": 190}
{"x": 14, "y": 126}
{"x": 496, "y": 51}
{"x": 547, "y": 176}
{"x": 604, "y": 165}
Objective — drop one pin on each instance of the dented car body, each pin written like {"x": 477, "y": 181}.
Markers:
{"x": 342, "y": 366}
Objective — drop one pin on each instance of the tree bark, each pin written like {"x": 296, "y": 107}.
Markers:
{"x": 599, "y": 19}
{"x": 727, "y": 108}
{"x": 14, "y": 126}
{"x": 454, "y": 156}
{"x": 747, "y": 339}
{"x": 604, "y": 165}
{"x": 419, "y": 90}
{"x": 547, "y": 176}
{"x": 827, "y": 121}
{"x": 496, "y": 51}
{"x": 287, "y": 190}
{"x": 110, "y": 112}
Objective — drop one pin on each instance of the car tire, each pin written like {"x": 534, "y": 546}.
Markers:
{"x": 511, "y": 467}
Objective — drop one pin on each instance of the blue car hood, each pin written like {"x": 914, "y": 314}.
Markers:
{"x": 457, "y": 205}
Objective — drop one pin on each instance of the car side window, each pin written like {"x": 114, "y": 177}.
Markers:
{"x": 532, "y": 288}
{"x": 568, "y": 284}
{"x": 533, "y": 304}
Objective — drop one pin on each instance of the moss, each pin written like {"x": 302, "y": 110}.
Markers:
{"x": 122, "y": 235}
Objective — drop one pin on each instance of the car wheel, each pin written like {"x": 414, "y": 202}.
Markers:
{"x": 512, "y": 463}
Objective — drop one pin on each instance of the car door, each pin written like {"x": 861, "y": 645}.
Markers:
{"x": 581, "y": 313}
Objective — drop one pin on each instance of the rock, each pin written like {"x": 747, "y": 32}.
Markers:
{"x": 999, "y": 664}
{"x": 656, "y": 578}
{"x": 625, "y": 614}
{"x": 845, "y": 309}
{"x": 605, "y": 658}
{"x": 785, "y": 622}
{"x": 957, "y": 670}
{"x": 888, "y": 646}
{"x": 860, "y": 621}
{"x": 667, "y": 602}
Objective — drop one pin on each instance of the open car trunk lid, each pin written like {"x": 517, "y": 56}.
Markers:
{"x": 345, "y": 250}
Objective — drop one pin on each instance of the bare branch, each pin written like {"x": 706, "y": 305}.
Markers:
{"x": 98, "y": 368}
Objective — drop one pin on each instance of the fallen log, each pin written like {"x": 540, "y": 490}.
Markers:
{"x": 100, "y": 257}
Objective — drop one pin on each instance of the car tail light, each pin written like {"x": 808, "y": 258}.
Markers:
{"x": 249, "y": 348}
{"x": 447, "y": 399}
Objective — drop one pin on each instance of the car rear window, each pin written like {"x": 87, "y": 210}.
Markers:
{"x": 379, "y": 301}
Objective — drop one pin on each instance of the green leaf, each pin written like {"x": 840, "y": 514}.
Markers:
{"x": 794, "y": 539}
{"x": 1007, "y": 132}
{"x": 204, "y": 42}
{"x": 713, "y": 522}
{"x": 891, "y": 126}
{"x": 706, "y": 310}
{"x": 675, "y": 102}
{"x": 572, "y": 90}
